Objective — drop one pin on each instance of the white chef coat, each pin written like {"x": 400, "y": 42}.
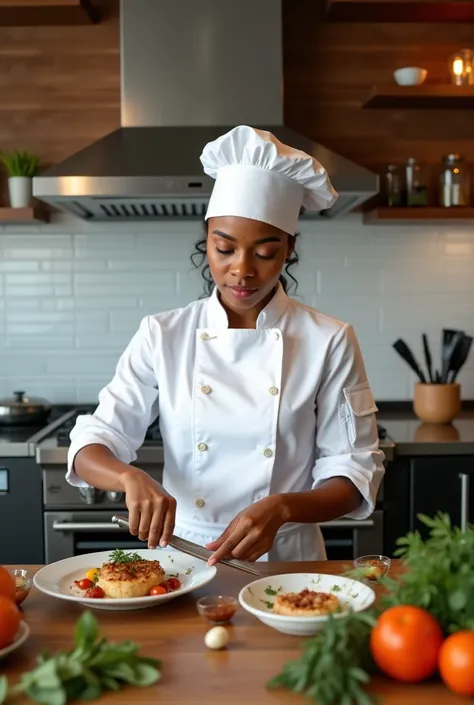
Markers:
{"x": 244, "y": 413}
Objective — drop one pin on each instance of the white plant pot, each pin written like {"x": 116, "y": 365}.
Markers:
{"x": 21, "y": 191}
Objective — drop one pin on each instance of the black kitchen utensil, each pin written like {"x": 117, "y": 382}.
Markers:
{"x": 426, "y": 348}
{"x": 448, "y": 351}
{"x": 459, "y": 356}
{"x": 404, "y": 351}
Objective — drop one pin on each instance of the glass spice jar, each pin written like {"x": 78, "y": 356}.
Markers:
{"x": 394, "y": 186}
{"x": 416, "y": 183}
{"x": 453, "y": 182}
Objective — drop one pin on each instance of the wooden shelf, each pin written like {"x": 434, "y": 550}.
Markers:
{"x": 419, "y": 97}
{"x": 418, "y": 216}
{"x": 22, "y": 13}
{"x": 23, "y": 216}
{"x": 400, "y": 10}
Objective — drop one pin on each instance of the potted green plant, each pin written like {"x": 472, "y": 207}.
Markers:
{"x": 21, "y": 166}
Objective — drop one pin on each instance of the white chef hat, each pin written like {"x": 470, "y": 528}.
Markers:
{"x": 259, "y": 177}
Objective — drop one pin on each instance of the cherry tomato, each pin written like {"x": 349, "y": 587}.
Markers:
{"x": 158, "y": 590}
{"x": 95, "y": 592}
{"x": 173, "y": 584}
{"x": 83, "y": 584}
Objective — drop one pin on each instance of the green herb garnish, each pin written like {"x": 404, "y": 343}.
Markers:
{"x": 332, "y": 666}
{"x": 270, "y": 591}
{"x": 119, "y": 556}
{"x": 94, "y": 665}
{"x": 440, "y": 573}
{"x": 268, "y": 604}
{"x": 336, "y": 588}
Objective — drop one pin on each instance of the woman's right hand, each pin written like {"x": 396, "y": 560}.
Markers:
{"x": 151, "y": 509}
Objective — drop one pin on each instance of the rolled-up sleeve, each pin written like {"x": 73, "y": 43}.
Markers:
{"x": 346, "y": 437}
{"x": 127, "y": 406}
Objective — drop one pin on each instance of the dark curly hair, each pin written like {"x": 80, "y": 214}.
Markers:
{"x": 199, "y": 260}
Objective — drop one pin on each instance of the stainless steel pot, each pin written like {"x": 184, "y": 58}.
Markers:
{"x": 21, "y": 409}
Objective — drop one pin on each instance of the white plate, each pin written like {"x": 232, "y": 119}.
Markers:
{"x": 20, "y": 637}
{"x": 257, "y": 598}
{"x": 57, "y": 579}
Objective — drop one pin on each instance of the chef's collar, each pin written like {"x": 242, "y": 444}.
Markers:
{"x": 217, "y": 316}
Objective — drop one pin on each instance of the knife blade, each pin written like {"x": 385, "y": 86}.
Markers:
{"x": 193, "y": 549}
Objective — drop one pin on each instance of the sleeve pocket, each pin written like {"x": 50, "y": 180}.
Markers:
{"x": 360, "y": 421}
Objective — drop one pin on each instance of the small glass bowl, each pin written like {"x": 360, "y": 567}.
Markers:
{"x": 373, "y": 567}
{"x": 23, "y": 582}
{"x": 217, "y": 609}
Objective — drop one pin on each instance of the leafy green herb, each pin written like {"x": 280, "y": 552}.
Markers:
{"x": 440, "y": 573}
{"x": 119, "y": 556}
{"x": 336, "y": 588}
{"x": 267, "y": 604}
{"x": 94, "y": 665}
{"x": 189, "y": 570}
{"x": 332, "y": 667}
{"x": 270, "y": 591}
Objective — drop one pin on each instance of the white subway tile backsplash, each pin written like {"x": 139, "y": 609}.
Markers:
{"x": 72, "y": 294}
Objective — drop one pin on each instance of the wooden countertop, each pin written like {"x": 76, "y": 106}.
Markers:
{"x": 192, "y": 674}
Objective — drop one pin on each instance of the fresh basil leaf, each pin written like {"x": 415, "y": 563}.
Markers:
{"x": 458, "y": 600}
{"x": 87, "y": 630}
{"x": 110, "y": 683}
{"x": 146, "y": 675}
{"x": 3, "y": 688}
{"x": 47, "y": 696}
{"x": 91, "y": 692}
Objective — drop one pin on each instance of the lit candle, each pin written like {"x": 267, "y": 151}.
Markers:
{"x": 461, "y": 65}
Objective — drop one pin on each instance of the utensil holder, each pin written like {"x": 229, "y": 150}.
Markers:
{"x": 437, "y": 403}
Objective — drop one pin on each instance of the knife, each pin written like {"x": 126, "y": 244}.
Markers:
{"x": 193, "y": 549}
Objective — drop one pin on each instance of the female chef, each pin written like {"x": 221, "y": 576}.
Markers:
{"x": 267, "y": 417}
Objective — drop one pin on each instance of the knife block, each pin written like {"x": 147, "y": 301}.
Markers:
{"x": 437, "y": 403}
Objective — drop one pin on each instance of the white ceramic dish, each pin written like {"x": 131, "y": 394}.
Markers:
{"x": 21, "y": 636}
{"x": 410, "y": 76}
{"x": 57, "y": 579}
{"x": 257, "y": 598}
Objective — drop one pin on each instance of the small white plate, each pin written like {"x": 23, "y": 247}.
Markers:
{"x": 57, "y": 579}
{"x": 257, "y": 598}
{"x": 20, "y": 637}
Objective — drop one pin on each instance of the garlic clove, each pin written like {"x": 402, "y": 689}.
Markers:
{"x": 216, "y": 638}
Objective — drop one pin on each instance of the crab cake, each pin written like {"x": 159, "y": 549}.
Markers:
{"x": 306, "y": 603}
{"x": 132, "y": 579}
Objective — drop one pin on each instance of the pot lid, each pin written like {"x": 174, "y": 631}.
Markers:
{"x": 20, "y": 400}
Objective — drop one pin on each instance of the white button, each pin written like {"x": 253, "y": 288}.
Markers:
{"x": 277, "y": 336}
{"x": 205, "y": 389}
{"x": 268, "y": 453}
{"x": 202, "y": 446}
{"x": 199, "y": 503}
{"x": 273, "y": 391}
{"x": 204, "y": 336}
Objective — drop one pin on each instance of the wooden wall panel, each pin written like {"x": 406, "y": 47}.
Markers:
{"x": 330, "y": 67}
{"x": 60, "y": 86}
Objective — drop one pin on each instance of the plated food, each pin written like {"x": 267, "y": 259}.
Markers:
{"x": 124, "y": 580}
{"x": 301, "y": 603}
{"x": 306, "y": 603}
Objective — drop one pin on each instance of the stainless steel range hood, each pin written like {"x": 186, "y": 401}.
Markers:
{"x": 190, "y": 70}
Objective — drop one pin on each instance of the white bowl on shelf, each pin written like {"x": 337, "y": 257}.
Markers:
{"x": 410, "y": 76}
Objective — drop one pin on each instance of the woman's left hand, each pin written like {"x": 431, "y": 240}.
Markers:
{"x": 252, "y": 533}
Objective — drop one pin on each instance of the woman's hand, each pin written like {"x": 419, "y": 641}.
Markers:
{"x": 151, "y": 509}
{"x": 252, "y": 533}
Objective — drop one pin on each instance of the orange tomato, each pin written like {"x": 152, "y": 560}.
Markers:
{"x": 405, "y": 643}
{"x": 9, "y": 621}
{"x": 7, "y": 584}
{"x": 158, "y": 590}
{"x": 456, "y": 662}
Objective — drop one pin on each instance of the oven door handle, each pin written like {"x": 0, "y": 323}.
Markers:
{"x": 84, "y": 526}
{"x": 349, "y": 524}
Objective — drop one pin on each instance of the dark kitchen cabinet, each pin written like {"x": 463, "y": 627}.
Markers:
{"x": 441, "y": 484}
{"x": 21, "y": 512}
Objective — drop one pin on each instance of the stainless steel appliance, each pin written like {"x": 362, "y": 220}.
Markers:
{"x": 190, "y": 71}
{"x": 78, "y": 521}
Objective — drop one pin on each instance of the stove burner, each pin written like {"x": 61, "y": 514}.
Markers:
{"x": 153, "y": 434}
